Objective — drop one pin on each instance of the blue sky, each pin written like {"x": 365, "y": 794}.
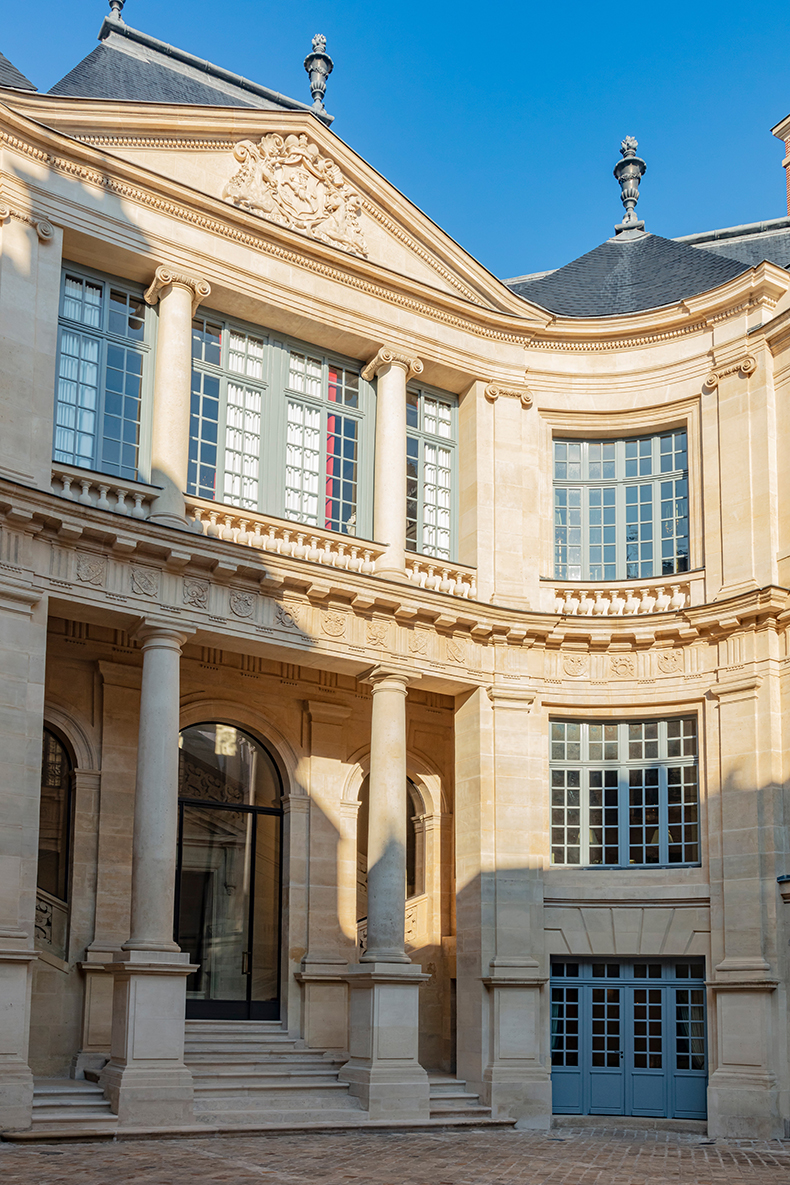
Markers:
{"x": 503, "y": 124}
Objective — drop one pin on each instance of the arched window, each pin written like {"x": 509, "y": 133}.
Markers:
{"x": 54, "y": 842}
{"x": 415, "y": 845}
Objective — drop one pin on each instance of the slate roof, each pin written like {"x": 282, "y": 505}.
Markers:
{"x": 10, "y": 76}
{"x": 628, "y": 275}
{"x": 751, "y": 243}
{"x": 132, "y": 66}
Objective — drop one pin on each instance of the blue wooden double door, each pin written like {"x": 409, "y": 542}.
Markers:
{"x": 628, "y": 1037}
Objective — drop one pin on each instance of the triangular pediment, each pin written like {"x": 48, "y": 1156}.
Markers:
{"x": 288, "y": 170}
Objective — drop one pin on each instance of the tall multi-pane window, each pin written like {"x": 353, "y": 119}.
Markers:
{"x": 430, "y": 461}
{"x": 276, "y": 428}
{"x": 624, "y": 793}
{"x": 621, "y": 507}
{"x": 100, "y": 377}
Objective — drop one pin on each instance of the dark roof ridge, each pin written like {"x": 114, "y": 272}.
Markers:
{"x": 736, "y": 232}
{"x": 112, "y": 25}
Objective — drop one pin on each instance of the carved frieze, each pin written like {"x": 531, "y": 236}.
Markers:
{"x": 377, "y": 632}
{"x": 91, "y": 569}
{"x": 333, "y": 623}
{"x": 623, "y": 666}
{"x": 456, "y": 650}
{"x": 287, "y": 180}
{"x": 145, "y": 581}
{"x": 575, "y": 665}
{"x": 242, "y": 604}
{"x": 195, "y": 592}
{"x": 288, "y": 615}
{"x": 670, "y": 662}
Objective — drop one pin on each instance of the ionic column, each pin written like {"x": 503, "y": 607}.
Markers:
{"x": 178, "y": 297}
{"x": 146, "y": 1079}
{"x": 383, "y": 1068}
{"x": 394, "y": 369}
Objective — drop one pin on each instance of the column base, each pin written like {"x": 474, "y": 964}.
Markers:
{"x": 325, "y": 1005}
{"x": 16, "y": 1078}
{"x": 146, "y": 1080}
{"x": 744, "y": 1106}
{"x": 517, "y": 1085}
{"x": 383, "y": 1070}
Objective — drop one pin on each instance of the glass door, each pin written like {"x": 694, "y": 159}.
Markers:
{"x": 228, "y": 877}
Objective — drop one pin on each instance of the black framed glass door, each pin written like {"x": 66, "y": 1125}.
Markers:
{"x": 228, "y": 891}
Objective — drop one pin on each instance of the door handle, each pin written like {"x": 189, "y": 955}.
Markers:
{"x": 245, "y": 963}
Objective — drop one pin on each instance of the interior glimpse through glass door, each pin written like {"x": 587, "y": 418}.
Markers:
{"x": 214, "y": 902}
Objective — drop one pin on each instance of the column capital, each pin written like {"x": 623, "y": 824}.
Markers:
{"x": 166, "y": 277}
{"x": 389, "y": 672}
{"x": 152, "y": 631}
{"x": 387, "y": 356}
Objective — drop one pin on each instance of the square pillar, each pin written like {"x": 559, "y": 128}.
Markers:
{"x": 146, "y": 1080}
{"x": 383, "y": 1069}
{"x": 23, "y": 628}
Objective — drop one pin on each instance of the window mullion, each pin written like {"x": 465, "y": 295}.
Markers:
{"x": 663, "y": 816}
{"x": 623, "y": 808}
{"x": 584, "y": 814}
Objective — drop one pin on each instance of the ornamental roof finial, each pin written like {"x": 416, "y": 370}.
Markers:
{"x": 629, "y": 172}
{"x": 319, "y": 66}
{"x": 116, "y": 8}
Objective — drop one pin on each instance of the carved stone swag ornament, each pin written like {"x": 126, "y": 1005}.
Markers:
{"x": 288, "y": 181}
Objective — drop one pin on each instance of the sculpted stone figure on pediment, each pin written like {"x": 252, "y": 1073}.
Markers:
{"x": 288, "y": 181}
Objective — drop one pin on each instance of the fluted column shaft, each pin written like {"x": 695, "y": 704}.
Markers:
{"x": 178, "y": 298}
{"x": 389, "y": 495}
{"x": 156, "y": 792}
{"x": 387, "y": 821}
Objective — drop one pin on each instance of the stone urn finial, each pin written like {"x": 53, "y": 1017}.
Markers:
{"x": 629, "y": 172}
{"x": 319, "y": 66}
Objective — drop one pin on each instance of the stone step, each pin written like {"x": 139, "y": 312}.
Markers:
{"x": 204, "y": 1080}
{"x": 459, "y": 1099}
{"x": 62, "y": 1103}
{"x": 205, "y": 1063}
{"x": 295, "y": 1094}
{"x": 280, "y": 1119}
{"x": 232, "y": 1048}
{"x": 444, "y": 1083}
{"x": 462, "y": 1112}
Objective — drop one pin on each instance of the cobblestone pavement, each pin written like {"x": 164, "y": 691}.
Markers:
{"x": 563, "y": 1157}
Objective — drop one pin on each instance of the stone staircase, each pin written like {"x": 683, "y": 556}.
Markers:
{"x": 251, "y": 1073}
{"x": 451, "y": 1102}
{"x": 61, "y": 1105}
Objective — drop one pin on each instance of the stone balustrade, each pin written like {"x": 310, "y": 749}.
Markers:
{"x": 299, "y": 541}
{"x": 51, "y": 924}
{"x": 281, "y": 537}
{"x": 627, "y": 598}
{"x": 441, "y": 576}
{"x": 132, "y": 498}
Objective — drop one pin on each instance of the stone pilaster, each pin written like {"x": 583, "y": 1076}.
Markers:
{"x": 23, "y": 628}
{"x": 500, "y": 958}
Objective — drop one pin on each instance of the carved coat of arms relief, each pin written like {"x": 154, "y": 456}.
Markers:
{"x": 287, "y": 180}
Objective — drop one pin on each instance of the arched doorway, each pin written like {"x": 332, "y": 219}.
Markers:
{"x": 54, "y": 847}
{"x": 228, "y": 886}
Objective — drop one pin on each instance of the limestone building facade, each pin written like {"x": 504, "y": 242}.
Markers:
{"x": 395, "y": 663}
